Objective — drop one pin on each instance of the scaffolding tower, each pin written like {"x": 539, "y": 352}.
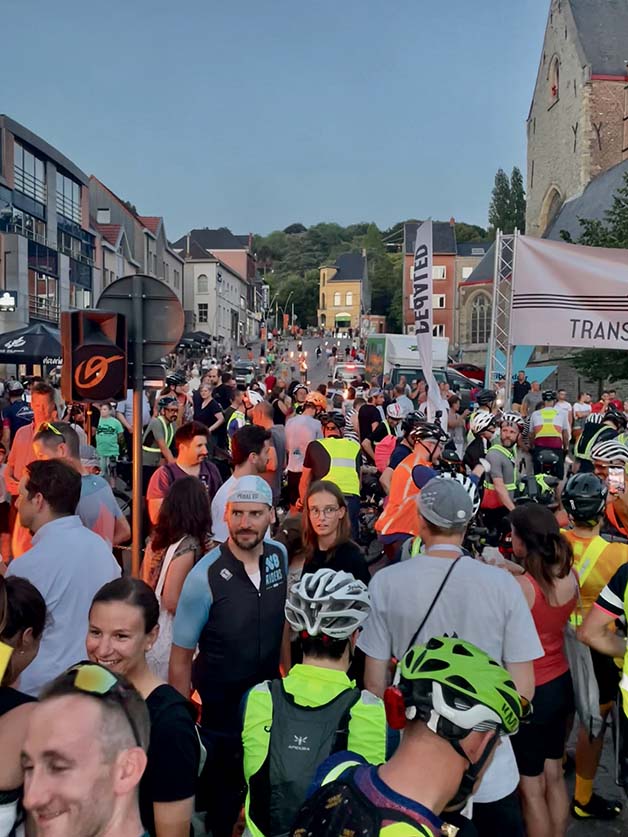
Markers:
{"x": 499, "y": 350}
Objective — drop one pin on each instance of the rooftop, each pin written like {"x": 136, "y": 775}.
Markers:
{"x": 43, "y": 147}
{"x": 603, "y": 34}
{"x": 443, "y": 235}
{"x": 349, "y": 268}
{"x": 220, "y": 239}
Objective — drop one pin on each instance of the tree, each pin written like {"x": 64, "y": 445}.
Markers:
{"x": 517, "y": 202}
{"x": 470, "y": 232}
{"x": 605, "y": 364}
{"x": 499, "y": 211}
{"x": 295, "y": 229}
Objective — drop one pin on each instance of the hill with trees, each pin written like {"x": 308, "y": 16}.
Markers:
{"x": 289, "y": 260}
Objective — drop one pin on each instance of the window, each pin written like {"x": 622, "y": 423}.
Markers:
{"x": 480, "y": 319}
{"x": 439, "y": 272}
{"x": 554, "y": 80}
{"x": 43, "y": 300}
{"x": 466, "y": 272}
{"x": 203, "y": 312}
{"x": 337, "y": 302}
{"x": 68, "y": 198}
{"x": 349, "y": 298}
{"x": 323, "y": 301}
{"x": 24, "y": 224}
{"x": 438, "y": 330}
{"x": 202, "y": 284}
{"x": 79, "y": 297}
{"x": 176, "y": 280}
{"x": 29, "y": 173}
{"x": 438, "y": 300}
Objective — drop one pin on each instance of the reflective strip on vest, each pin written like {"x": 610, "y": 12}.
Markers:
{"x": 509, "y": 454}
{"x": 239, "y": 416}
{"x": 415, "y": 548}
{"x": 584, "y": 564}
{"x": 591, "y": 444}
{"x": 338, "y": 770}
{"x": 168, "y": 433}
{"x": 623, "y": 684}
{"x": 342, "y": 468}
{"x": 548, "y": 430}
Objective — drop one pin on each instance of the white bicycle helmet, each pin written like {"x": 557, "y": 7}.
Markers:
{"x": 254, "y": 398}
{"x": 512, "y": 418}
{"x": 395, "y": 411}
{"x": 327, "y": 602}
{"x": 469, "y": 486}
{"x": 610, "y": 451}
{"x": 482, "y": 421}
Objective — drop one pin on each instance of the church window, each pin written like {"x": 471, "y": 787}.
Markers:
{"x": 480, "y": 319}
{"x": 554, "y": 80}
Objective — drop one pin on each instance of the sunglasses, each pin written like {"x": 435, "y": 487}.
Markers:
{"x": 97, "y": 681}
{"x": 48, "y": 425}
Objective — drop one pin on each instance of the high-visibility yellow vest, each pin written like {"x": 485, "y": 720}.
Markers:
{"x": 509, "y": 454}
{"x": 585, "y": 559}
{"x": 342, "y": 471}
{"x": 548, "y": 430}
{"x": 623, "y": 683}
{"x": 240, "y": 417}
{"x": 168, "y": 433}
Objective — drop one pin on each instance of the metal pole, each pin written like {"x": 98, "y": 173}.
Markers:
{"x": 138, "y": 387}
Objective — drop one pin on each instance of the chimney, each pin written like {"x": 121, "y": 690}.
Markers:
{"x": 250, "y": 242}
{"x": 187, "y": 244}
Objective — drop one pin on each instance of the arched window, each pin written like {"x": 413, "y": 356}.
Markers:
{"x": 349, "y": 298}
{"x": 337, "y": 298}
{"x": 480, "y": 319}
{"x": 323, "y": 301}
{"x": 554, "y": 80}
{"x": 202, "y": 284}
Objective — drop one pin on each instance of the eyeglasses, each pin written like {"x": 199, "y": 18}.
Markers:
{"x": 97, "y": 681}
{"x": 48, "y": 425}
{"x": 327, "y": 511}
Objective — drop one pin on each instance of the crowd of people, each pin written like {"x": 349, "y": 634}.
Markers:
{"x": 270, "y": 671}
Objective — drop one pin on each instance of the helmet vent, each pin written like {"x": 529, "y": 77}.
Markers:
{"x": 435, "y": 665}
{"x": 461, "y": 650}
{"x": 461, "y": 682}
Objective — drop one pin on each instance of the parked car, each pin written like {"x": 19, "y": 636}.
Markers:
{"x": 244, "y": 372}
{"x": 470, "y": 370}
{"x": 348, "y": 371}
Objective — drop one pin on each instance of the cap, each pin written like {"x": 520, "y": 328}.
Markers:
{"x": 89, "y": 455}
{"x": 445, "y": 503}
{"x": 250, "y": 489}
{"x": 15, "y": 386}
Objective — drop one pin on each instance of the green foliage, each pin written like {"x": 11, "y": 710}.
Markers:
{"x": 295, "y": 229}
{"x": 605, "y": 364}
{"x": 507, "y": 209}
{"x": 470, "y": 232}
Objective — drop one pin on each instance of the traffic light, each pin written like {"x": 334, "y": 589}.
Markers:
{"x": 94, "y": 355}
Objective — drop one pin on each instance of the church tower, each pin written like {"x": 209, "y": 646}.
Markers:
{"x": 578, "y": 121}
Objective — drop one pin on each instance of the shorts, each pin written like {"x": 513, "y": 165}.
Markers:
{"x": 544, "y": 736}
{"x": 607, "y": 676}
{"x": 294, "y": 478}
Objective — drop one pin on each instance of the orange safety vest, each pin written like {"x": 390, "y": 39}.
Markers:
{"x": 613, "y": 519}
{"x": 401, "y": 515}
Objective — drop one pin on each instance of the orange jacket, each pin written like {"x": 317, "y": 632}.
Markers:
{"x": 401, "y": 515}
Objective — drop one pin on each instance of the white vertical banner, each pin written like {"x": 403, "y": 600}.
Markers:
{"x": 422, "y": 302}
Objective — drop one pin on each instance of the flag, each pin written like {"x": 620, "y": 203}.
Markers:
{"x": 422, "y": 303}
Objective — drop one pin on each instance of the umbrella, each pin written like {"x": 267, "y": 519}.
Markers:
{"x": 36, "y": 343}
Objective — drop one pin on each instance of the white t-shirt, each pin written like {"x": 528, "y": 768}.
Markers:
{"x": 219, "y": 504}
{"x": 581, "y": 410}
{"x": 480, "y": 603}
{"x": 564, "y": 407}
{"x": 561, "y": 420}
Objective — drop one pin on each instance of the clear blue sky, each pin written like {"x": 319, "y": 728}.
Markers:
{"x": 255, "y": 115}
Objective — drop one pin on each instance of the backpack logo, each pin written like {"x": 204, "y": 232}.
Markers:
{"x": 300, "y": 742}
{"x": 226, "y": 574}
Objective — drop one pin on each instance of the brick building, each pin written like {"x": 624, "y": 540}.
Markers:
{"x": 443, "y": 272}
{"x": 578, "y": 121}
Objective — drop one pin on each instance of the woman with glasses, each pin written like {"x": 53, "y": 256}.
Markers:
{"x": 22, "y": 620}
{"x": 327, "y": 533}
{"x": 123, "y": 627}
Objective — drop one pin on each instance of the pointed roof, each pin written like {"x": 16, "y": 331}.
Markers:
{"x": 220, "y": 239}
{"x": 110, "y": 232}
{"x": 151, "y": 222}
{"x": 443, "y": 236}
{"x": 602, "y": 27}
{"x": 484, "y": 271}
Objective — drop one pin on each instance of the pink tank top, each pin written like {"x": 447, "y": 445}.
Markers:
{"x": 550, "y": 621}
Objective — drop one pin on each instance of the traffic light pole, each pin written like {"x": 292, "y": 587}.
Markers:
{"x": 138, "y": 389}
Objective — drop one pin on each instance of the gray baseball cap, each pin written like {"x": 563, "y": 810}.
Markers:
{"x": 250, "y": 489}
{"x": 445, "y": 503}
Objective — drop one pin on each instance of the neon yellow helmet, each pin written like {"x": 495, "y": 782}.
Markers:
{"x": 461, "y": 684}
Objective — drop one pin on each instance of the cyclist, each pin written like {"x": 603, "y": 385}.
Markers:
{"x": 482, "y": 427}
{"x": 403, "y": 447}
{"x": 501, "y": 483}
{"x": 485, "y": 400}
{"x": 400, "y": 518}
{"x": 605, "y": 455}
{"x": 595, "y": 561}
{"x": 596, "y": 429}
{"x": 384, "y": 437}
{"x": 316, "y": 704}
{"x": 549, "y": 429}
{"x": 454, "y": 703}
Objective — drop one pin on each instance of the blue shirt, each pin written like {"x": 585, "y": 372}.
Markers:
{"x": 68, "y": 564}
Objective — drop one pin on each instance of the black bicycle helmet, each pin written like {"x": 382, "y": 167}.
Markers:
{"x": 548, "y": 459}
{"x": 616, "y": 416}
{"x": 548, "y": 395}
{"x": 411, "y": 421}
{"x": 450, "y": 462}
{"x": 176, "y": 379}
{"x": 584, "y": 496}
{"x": 332, "y": 418}
{"x": 167, "y": 401}
{"x": 485, "y": 397}
{"x": 428, "y": 431}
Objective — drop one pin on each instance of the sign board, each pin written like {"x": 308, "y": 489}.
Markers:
{"x": 95, "y": 352}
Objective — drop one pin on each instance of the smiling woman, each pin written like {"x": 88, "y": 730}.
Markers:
{"x": 123, "y": 626}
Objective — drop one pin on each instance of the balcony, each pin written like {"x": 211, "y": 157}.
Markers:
{"x": 43, "y": 308}
{"x": 19, "y": 227}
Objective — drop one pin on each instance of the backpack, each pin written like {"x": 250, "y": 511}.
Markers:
{"x": 383, "y": 452}
{"x": 340, "y": 808}
{"x": 301, "y": 738}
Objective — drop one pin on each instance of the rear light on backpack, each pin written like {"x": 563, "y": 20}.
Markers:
{"x": 395, "y": 708}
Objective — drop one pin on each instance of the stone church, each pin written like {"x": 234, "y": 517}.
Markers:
{"x": 577, "y": 127}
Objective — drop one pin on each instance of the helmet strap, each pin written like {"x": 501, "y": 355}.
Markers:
{"x": 465, "y": 789}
